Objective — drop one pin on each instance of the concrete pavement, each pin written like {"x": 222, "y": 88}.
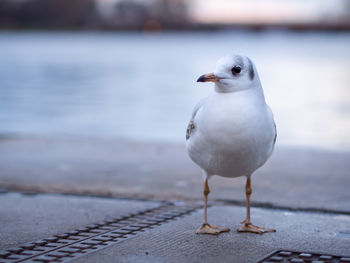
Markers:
{"x": 176, "y": 241}
{"x": 293, "y": 178}
{"x": 303, "y": 193}
{"x": 26, "y": 218}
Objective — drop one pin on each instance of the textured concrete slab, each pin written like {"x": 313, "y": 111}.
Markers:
{"x": 27, "y": 218}
{"x": 293, "y": 177}
{"x": 177, "y": 242}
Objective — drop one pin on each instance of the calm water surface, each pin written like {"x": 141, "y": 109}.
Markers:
{"x": 143, "y": 87}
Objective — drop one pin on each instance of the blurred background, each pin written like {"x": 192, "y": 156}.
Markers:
{"x": 127, "y": 68}
{"x": 96, "y": 95}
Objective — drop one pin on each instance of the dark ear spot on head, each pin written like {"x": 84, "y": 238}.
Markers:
{"x": 251, "y": 69}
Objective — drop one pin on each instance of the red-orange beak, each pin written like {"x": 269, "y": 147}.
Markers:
{"x": 208, "y": 77}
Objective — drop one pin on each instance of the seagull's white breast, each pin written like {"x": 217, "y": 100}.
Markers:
{"x": 233, "y": 135}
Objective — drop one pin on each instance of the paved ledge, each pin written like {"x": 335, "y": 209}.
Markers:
{"x": 292, "y": 178}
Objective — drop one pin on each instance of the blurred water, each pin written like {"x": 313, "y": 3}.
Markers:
{"x": 143, "y": 87}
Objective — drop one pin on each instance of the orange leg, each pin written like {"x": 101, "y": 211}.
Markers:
{"x": 247, "y": 225}
{"x": 205, "y": 227}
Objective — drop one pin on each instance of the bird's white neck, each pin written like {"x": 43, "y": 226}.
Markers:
{"x": 253, "y": 91}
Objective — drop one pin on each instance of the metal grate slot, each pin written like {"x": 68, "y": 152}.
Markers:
{"x": 67, "y": 246}
{"x": 284, "y": 256}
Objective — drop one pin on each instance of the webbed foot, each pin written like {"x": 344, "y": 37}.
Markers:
{"x": 249, "y": 227}
{"x": 211, "y": 230}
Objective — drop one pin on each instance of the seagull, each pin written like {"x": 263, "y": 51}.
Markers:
{"x": 232, "y": 131}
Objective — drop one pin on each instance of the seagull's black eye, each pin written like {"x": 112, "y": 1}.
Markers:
{"x": 236, "y": 70}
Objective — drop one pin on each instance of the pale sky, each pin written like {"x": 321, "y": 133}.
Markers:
{"x": 228, "y": 11}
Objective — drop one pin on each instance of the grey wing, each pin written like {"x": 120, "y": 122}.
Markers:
{"x": 274, "y": 124}
{"x": 191, "y": 126}
{"x": 275, "y": 138}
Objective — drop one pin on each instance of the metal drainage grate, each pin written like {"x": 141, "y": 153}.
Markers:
{"x": 68, "y": 246}
{"x": 300, "y": 257}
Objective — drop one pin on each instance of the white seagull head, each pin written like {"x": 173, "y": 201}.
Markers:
{"x": 233, "y": 73}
